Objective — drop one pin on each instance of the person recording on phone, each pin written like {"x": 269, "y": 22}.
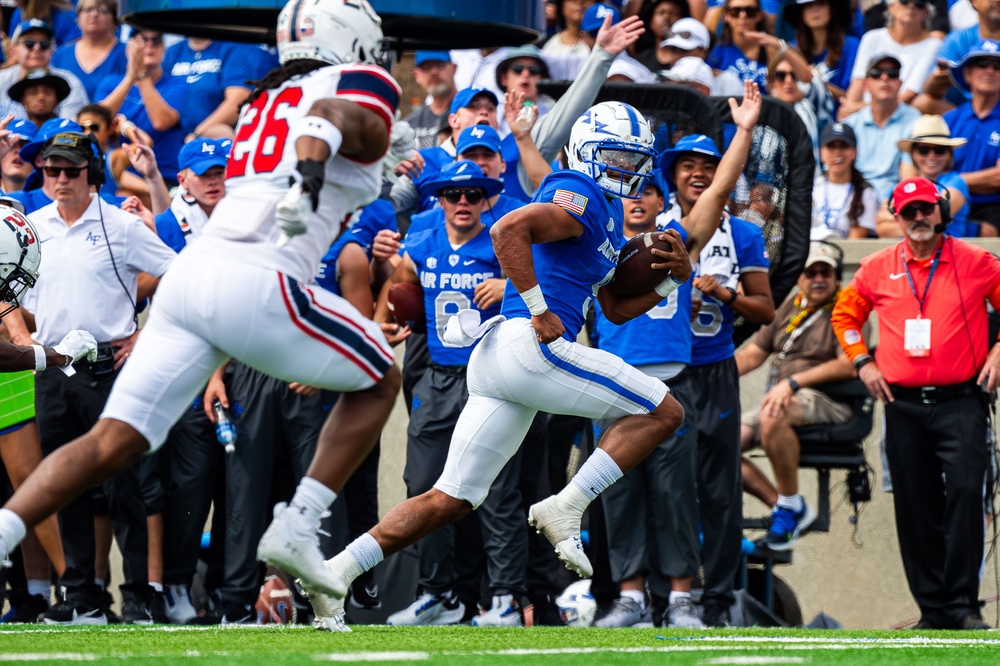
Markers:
{"x": 932, "y": 360}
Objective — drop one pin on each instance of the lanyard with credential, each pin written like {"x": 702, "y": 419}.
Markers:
{"x": 913, "y": 287}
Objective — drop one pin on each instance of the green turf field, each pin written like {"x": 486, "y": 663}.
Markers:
{"x": 274, "y": 646}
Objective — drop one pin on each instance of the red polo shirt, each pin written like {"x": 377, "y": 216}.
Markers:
{"x": 966, "y": 276}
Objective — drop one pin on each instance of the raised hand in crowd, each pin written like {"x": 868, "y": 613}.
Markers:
{"x": 618, "y": 37}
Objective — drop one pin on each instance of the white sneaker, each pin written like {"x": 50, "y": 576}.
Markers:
{"x": 329, "y": 612}
{"x": 562, "y": 529}
{"x": 624, "y": 612}
{"x": 294, "y": 548}
{"x": 429, "y": 609}
{"x": 505, "y": 613}
{"x": 177, "y": 599}
{"x": 683, "y": 615}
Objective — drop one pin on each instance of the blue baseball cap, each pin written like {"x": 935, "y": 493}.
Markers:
{"x": 987, "y": 48}
{"x": 49, "y": 129}
{"x": 463, "y": 173}
{"x": 594, "y": 17}
{"x": 463, "y": 98}
{"x": 33, "y": 24}
{"x": 692, "y": 143}
{"x": 23, "y": 128}
{"x": 423, "y": 56}
{"x": 478, "y": 135}
{"x": 201, "y": 154}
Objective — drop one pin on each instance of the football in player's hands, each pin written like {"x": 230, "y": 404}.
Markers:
{"x": 406, "y": 303}
{"x": 634, "y": 274}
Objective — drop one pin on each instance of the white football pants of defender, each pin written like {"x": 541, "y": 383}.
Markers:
{"x": 511, "y": 377}
{"x": 209, "y": 308}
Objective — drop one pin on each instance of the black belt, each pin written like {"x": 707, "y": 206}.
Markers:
{"x": 931, "y": 395}
{"x": 450, "y": 370}
{"x": 104, "y": 364}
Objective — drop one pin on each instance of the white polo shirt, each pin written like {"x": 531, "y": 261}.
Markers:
{"x": 77, "y": 287}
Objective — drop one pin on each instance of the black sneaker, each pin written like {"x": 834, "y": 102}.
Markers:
{"x": 135, "y": 609}
{"x": 715, "y": 615}
{"x": 27, "y": 612}
{"x": 364, "y": 591}
{"x": 973, "y": 621}
{"x": 73, "y": 611}
{"x": 107, "y": 601}
{"x": 546, "y": 613}
{"x": 227, "y": 614}
{"x": 158, "y": 609}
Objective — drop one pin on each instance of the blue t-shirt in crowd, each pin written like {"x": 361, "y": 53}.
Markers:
{"x": 449, "y": 276}
{"x": 365, "y": 225}
{"x": 167, "y": 143}
{"x": 983, "y": 149}
{"x": 727, "y": 57}
{"x": 114, "y": 65}
{"x": 840, "y": 74}
{"x": 571, "y": 271}
{"x": 668, "y": 323}
{"x": 959, "y": 226}
{"x": 207, "y": 74}
{"x": 713, "y": 327}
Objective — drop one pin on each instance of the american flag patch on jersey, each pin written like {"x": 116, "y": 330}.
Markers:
{"x": 574, "y": 203}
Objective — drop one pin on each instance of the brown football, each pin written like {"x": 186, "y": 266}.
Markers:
{"x": 633, "y": 274}
{"x": 406, "y": 303}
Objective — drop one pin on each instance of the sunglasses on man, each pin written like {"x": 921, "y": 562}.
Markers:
{"x": 453, "y": 196}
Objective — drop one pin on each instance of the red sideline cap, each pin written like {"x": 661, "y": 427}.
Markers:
{"x": 913, "y": 189}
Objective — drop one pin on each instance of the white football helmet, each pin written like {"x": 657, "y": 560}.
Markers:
{"x": 612, "y": 143}
{"x": 333, "y": 31}
{"x": 20, "y": 256}
{"x": 576, "y": 604}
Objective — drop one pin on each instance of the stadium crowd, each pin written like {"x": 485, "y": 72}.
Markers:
{"x": 886, "y": 90}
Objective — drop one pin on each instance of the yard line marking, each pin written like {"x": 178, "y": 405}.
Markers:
{"x": 48, "y": 656}
{"x": 373, "y": 656}
{"x": 756, "y": 660}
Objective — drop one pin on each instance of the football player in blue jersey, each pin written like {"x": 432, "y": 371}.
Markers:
{"x": 558, "y": 253}
{"x": 659, "y": 496}
{"x": 733, "y": 257}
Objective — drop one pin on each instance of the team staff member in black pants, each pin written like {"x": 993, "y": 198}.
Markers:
{"x": 929, "y": 293}
{"x": 89, "y": 278}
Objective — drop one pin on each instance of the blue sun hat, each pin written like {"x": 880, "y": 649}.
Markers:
{"x": 48, "y": 130}
{"x": 463, "y": 173}
{"x": 692, "y": 143}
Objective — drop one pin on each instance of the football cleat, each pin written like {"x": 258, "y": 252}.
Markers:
{"x": 429, "y": 609}
{"x": 294, "y": 548}
{"x": 505, "y": 613}
{"x": 562, "y": 529}
{"x": 329, "y": 612}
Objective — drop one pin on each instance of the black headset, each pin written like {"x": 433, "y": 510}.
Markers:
{"x": 944, "y": 204}
{"x": 838, "y": 254}
{"x": 96, "y": 174}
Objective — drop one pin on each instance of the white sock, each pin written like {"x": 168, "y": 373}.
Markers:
{"x": 792, "y": 503}
{"x": 157, "y": 587}
{"x": 361, "y": 555}
{"x": 12, "y": 531}
{"x": 311, "y": 499}
{"x": 677, "y": 596}
{"x": 635, "y": 595}
{"x": 40, "y": 588}
{"x": 571, "y": 497}
{"x": 596, "y": 474}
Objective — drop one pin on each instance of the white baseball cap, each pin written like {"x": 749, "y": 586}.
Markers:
{"x": 691, "y": 69}
{"x": 687, "y": 34}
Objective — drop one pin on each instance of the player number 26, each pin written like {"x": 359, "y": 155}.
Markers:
{"x": 269, "y": 146}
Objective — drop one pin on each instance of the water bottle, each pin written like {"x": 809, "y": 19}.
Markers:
{"x": 225, "y": 430}
{"x": 526, "y": 116}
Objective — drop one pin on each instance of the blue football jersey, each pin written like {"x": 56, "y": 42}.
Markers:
{"x": 737, "y": 247}
{"x": 661, "y": 335}
{"x": 449, "y": 277}
{"x": 365, "y": 225}
{"x": 571, "y": 271}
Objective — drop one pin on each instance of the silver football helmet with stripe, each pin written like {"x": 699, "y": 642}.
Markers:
{"x": 613, "y": 144}
{"x": 335, "y": 31}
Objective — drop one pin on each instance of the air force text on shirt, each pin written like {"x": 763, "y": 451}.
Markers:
{"x": 454, "y": 280}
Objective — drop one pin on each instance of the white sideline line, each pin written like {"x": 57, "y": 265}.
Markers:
{"x": 755, "y": 660}
{"x": 374, "y": 656}
{"x": 48, "y": 656}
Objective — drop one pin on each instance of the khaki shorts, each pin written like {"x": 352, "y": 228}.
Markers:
{"x": 817, "y": 406}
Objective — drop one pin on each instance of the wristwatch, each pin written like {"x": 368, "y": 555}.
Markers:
{"x": 734, "y": 295}
{"x": 794, "y": 384}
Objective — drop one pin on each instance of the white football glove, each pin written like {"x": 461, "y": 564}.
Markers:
{"x": 77, "y": 345}
{"x": 293, "y": 213}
